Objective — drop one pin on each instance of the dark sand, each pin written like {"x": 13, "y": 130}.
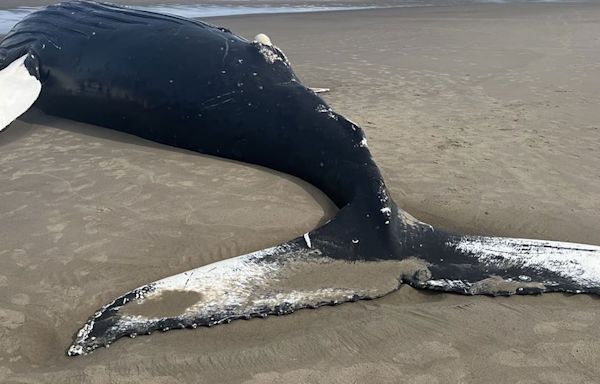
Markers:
{"x": 484, "y": 119}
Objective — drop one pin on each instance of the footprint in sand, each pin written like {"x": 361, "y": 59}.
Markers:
{"x": 20, "y": 299}
{"x": 552, "y": 327}
{"x": 4, "y": 373}
{"x": 10, "y": 319}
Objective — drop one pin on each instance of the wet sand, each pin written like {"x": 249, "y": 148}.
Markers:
{"x": 484, "y": 119}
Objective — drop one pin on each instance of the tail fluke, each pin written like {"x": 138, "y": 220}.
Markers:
{"x": 497, "y": 266}
{"x": 19, "y": 88}
{"x": 505, "y": 266}
{"x": 274, "y": 281}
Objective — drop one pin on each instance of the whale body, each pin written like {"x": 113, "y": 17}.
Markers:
{"x": 192, "y": 85}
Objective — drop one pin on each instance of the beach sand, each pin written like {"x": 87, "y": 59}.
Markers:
{"x": 483, "y": 118}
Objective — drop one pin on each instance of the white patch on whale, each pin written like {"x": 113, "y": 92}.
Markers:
{"x": 578, "y": 262}
{"x": 18, "y": 91}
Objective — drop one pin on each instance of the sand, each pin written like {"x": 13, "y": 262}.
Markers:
{"x": 483, "y": 118}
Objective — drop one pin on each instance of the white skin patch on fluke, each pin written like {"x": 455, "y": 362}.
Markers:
{"x": 449, "y": 284}
{"x": 18, "y": 91}
{"x": 578, "y": 262}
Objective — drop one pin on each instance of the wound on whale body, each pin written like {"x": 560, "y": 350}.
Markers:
{"x": 208, "y": 90}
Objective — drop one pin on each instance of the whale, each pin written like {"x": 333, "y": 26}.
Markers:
{"x": 188, "y": 84}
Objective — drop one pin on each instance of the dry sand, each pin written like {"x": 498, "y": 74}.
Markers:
{"x": 484, "y": 119}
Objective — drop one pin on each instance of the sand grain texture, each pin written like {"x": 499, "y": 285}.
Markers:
{"x": 484, "y": 119}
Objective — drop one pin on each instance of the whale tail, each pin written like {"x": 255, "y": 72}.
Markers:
{"x": 316, "y": 269}
{"x": 19, "y": 88}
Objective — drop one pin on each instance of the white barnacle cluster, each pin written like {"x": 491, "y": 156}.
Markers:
{"x": 322, "y": 108}
{"x": 269, "y": 51}
{"x": 325, "y": 109}
{"x": 384, "y": 199}
{"x": 577, "y": 262}
{"x": 77, "y": 348}
{"x": 386, "y": 211}
{"x": 269, "y": 54}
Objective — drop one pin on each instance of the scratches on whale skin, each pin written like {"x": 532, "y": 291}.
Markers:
{"x": 61, "y": 28}
{"x": 218, "y": 97}
{"x": 60, "y": 17}
{"x": 141, "y": 15}
{"x": 217, "y": 104}
{"x": 321, "y": 108}
{"x": 35, "y": 34}
{"x": 226, "y": 48}
{"x": 26, "y": 41}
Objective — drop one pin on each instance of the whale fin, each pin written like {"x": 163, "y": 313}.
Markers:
{"x": 19, "y": 88}
{"x": 274, "y": 281}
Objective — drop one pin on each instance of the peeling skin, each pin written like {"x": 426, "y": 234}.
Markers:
{"x": 415, "y": 269}
{"x": 497, "y": 286}
{"x": 491, "y": 286}
{"x": 410, "y": 220}
{"x": 165, "y": 303}
{"x": 369, "y": 278}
